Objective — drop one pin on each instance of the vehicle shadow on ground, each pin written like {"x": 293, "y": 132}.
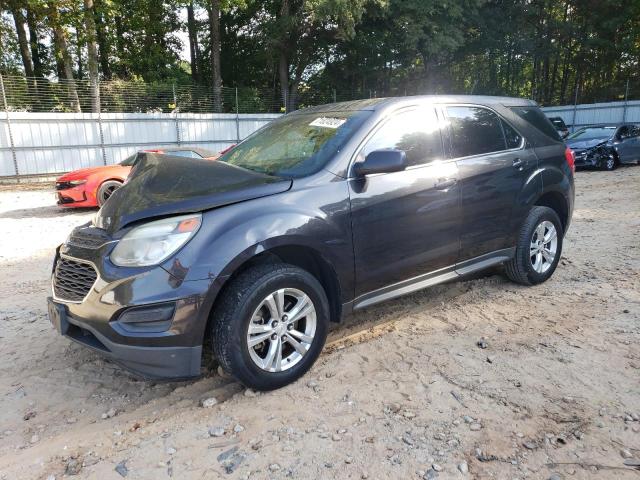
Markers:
{"x": 44, "y": 212}
{"x": 386, "y": 313}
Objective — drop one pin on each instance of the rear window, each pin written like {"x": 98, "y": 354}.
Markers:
{"x": 535, "y": 117}
{"x": 558, "y": 123}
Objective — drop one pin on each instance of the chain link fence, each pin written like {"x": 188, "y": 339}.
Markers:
{"x": 48, "y": 127}
{"x": 118, "y": 96}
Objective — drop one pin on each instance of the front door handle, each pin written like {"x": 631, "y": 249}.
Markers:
{"x": 518, "y": 163}
{"x": 444, "y": 183}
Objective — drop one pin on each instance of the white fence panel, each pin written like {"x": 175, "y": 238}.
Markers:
{"x": 610, "y": 113}
{"x": 58, "y": 142}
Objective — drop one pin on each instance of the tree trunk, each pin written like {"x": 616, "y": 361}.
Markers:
{"x": 62, "y": 54}
{"x": 79, "y": 44}
{"x": 193, "y": 42}
{"x": 214, "y": 30}
{"x": 25, "y": 52}
{"x": 32, "y": 23}
{"x": 103, "y": 44}
{"x": 92, "y": 54}
{"x": 120, "y": 50}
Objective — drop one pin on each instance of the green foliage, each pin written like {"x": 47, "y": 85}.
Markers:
{"x": 318, "y": 50}
{"x": 10, "y": 63}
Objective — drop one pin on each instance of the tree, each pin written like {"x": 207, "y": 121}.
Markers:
{"x": 194, "y": 49}
{"x": 63, "y": 58}
{"x": 101, "y": 11}
{"x": 16, "y": 9}
{"x": 300, "y": 52}
{"x": 214, "y": 32}
{"x": 38, "y": 51}
{"x": 299, "y": 31}
{"x": 92, "y": 54}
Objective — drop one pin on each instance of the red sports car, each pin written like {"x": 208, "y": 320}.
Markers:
{"x": 91, "y": 187}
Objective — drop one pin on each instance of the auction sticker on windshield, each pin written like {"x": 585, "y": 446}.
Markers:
{"x": 327, "y": 122}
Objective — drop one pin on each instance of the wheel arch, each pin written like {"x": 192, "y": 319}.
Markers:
{"x": 110, "y": 179}
{"x": 557, "y": 202}
{"x": 302, "y": 256}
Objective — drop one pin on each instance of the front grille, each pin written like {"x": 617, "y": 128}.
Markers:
{"x": 72, "y": 280}
{"x": 88, "y": 237}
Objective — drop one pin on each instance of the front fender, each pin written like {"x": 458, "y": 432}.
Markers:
{"x": 316, "y": 217}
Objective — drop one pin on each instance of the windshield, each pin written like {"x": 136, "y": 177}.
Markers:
{"x": 129, "y": 161}
{"x": 591, "y": 133}
{"x": 296, "y": 145}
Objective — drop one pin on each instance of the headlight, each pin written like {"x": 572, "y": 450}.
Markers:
{"x": 154, "y": 242}
{"x": 75, "y": 183}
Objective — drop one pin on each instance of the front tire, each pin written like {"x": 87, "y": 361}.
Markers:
{"x": 106, "y": 190}
{"x": 609, "y": 162}
{"x": 270, "y": 325}
{"x": 538, "y": 249}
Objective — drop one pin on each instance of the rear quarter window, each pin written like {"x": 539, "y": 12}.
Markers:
{"x": 534, "y": 116}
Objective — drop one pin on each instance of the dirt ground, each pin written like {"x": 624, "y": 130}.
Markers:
{"x": 402, "y": 391}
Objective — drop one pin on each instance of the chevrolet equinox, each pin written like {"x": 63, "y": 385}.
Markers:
{"x": 322, "y": 212}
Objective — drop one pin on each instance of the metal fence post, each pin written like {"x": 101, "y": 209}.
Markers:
{"x": 6, "y": 111}
{"x": 237, "y": 118}
{"x": 100, "y": 130}
{"x": 175, "y": 111}
{"x": 626, "y": 99}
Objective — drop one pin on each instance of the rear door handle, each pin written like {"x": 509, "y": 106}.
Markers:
{"x": 444, "y": 183}
{"x": 518, "y": 163}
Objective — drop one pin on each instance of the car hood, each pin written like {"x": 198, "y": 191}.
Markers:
{"x": 582, "y": 144}
{"x": 83, "y": 173}
{"x": 175, "y": 185}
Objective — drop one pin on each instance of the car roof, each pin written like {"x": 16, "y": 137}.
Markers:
{"x": 373, "y": 104}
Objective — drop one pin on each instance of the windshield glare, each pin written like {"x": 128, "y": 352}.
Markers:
{"x": 296, "y": 145}
{"x": 592, "y": 133}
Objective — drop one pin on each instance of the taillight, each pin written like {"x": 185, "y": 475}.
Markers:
{"x": 571, "y": 159}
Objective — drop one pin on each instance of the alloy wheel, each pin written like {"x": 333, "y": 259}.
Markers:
{"x": 107, "y": 193}
{"x": 544, "y": 246}
{"x": 611, "y": 162}
{"x": 281, "y": 330}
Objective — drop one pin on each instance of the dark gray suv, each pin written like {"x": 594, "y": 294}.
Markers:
{"x": 324, "y": 211}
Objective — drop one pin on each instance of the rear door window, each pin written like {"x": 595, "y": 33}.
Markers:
{"x": 417, "y": 132}
{"x": 474, "y": 131}
{"x": 535, "y": 117}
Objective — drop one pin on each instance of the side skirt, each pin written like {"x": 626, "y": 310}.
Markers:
{"x": 421, "y": 282}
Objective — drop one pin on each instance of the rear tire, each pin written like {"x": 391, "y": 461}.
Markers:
{"x": 538, "y": 249}
{"x": 253, "y": 338}
{"x": 106, "y": 190}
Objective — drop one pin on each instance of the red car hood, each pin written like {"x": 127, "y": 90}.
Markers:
{"x": 83, "y": 173}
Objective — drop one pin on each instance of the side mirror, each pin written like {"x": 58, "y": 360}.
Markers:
{"x": 382, "y": 161}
